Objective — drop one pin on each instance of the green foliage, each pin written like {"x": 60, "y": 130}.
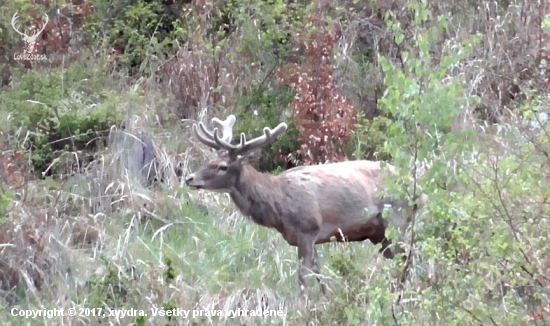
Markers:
{"x": 140, "y": 321}
{"x": 361, "y": 294}
{"x": 370, "y": 138}
{"x": 109, "y": 290}
{"x": 265, "y": 41}
{"x": 169, "y": 306}
{"x": 61, "y": 111}
{"x": 261, "y": 109}
{"x": 169, "y": 271}
{"x": 469, "y": 186}
{"x": 5, "y": 201}
{"x": 137, "y": 29}
{"x": 546, "y": 23}
{"x": 268, "y": 33}
{"x": 141, "y": 30}
{"x": 342, "y": 264}
{"x": 423, "y": 100}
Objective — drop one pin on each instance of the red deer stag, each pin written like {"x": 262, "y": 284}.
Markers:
{"x": 308, "y": 205}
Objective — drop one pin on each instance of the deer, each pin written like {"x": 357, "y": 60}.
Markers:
{"x": 307, "y": 205}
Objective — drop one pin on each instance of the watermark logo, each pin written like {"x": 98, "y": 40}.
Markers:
{"x": 30, "y": 39}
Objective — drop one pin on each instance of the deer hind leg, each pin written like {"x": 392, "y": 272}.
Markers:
{"x": 386, "y": 250}
{"x": 388, "y": 253}
{"x": 379, "y": 236}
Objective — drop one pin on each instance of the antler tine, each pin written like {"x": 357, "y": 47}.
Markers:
{"x": 268, "y": 136}
{"x": 214, "y": 140}
{"x": 211, "y": 139}
{"x": 226, "y": 127}
{"x": 205, "y": 136}
{"x": 205, "y": 132}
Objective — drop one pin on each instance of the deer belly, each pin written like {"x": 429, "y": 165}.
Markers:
{"x": 358, "y": 231}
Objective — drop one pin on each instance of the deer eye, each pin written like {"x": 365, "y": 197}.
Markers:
{"x": 222, "y": 167}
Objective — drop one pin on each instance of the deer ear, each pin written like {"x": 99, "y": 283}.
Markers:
{"x": 248, "y": 158}
{"x": 253, "y": 159}
{"x": 221, "y": 153}
{"x": 243, "y": 159}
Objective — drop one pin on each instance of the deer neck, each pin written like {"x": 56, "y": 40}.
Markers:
{"x": 258, "y": 196}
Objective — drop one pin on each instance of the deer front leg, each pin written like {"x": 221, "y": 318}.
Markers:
{"x": 306, "y": 253}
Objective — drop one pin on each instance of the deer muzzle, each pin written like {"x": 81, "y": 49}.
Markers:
{"x": 191, "y": 182}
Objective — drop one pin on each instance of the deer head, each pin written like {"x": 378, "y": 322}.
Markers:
{"x": 30, "y": 39}
{"x": 221, "y": 173}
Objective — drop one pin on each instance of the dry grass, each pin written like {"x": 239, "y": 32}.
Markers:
{"x": 105, "y": 240}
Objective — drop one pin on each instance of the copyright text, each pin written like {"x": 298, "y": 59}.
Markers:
{"x": 153, "y": 312}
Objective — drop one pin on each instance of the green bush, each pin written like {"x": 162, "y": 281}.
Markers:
{"x": 370, "y": 138}
{"x": 61, "y": 111}
{"x": 264, "y": 109}
{"x": 137, "y": 30}
{"x": 5, "y": 201}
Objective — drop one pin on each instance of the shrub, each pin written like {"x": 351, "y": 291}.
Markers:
{"x": 325, "y": 119}
{"x": 136, "y": 31}
{"x": 61, "y": 112}
{"x": 265, "y": 108}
